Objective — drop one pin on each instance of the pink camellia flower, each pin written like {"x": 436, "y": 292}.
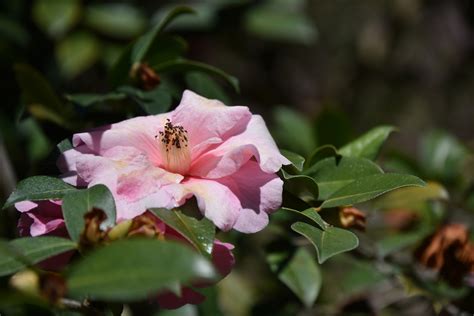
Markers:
{"x": 223, "y": 156}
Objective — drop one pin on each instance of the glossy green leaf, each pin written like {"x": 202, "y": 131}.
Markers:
{"x": 155, "y": 101}
{"x": 76, "y": 53}
{"x": 78, "y": 203}
{"x": 312, "y": 214}
{"x": 143, "y": 44}
{"x": 367, "y": 145}
{"x": 296, "y": 160}
{"x": 119, "y": 20}
{"x": 198, "y": 232}
{"x": 293, "y": 131}
{"x": 303, "y": 276}
{"x": 333, "y": 173}
{"x": 39, "y": 188}
{"x": 204, "y": 85}
{"x": 367, "y": 188}
{"x": 88, "y": 99}
{"x": 134, "y": 269}
{"x": 31, "y": 250}
{"x": 301, "y": 185}
{"x": 183, "y": 65}
{"x": 329, "y": 242}
{"x": 320, "y": 153}
{"x": 56, "y": 17}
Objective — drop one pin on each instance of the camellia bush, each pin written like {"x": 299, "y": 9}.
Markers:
{"x": 163, "y": 184}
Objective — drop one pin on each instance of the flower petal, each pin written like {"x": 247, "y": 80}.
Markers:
{"x": 216, "y": 201}
{"x": 222, "y": 257}
{"x": 227, "y": 158}
{"x": 170, "y": 300}
{"x": 259, "y": 193}
{"x": 206, "y": 119}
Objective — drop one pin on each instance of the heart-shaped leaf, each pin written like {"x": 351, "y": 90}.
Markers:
{"x": 329, "y": 242}
{"x": 134, "y": 269}
{"x": 16, "y": 254}
{"x": 296, "y": 160}
{"x": 78, "y": 203}
{"x": 39, "y": 188}
{"x": 198, "y": 232}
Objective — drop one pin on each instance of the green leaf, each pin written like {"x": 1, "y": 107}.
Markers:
{"x": 88, "y": 99}
{"x": 329, "y": 242}
{"x": 367, "y": 145}
{"x": 76, "y": 53}
{"x": 143, "y": 44}
{"x": 204, "y": 85}
{"x": 165, "y": 48}
{"x": 333, "y": 173}
{"x": 31, "y": 250}
{"x": 64, "y": 145}
{"x": 200, "y": 233}
{"x": 296, "y": 160}
{"x": 324, "y": 151}
{"x": 39, "y": 188}
{"x": 56, "y": 17}
{"x": 442, "y": 155}
{"x": 367, "y": 188}
{"x": 134, "y": 269}
{"x": 117, "y": 20}
{"x": 38, "y": 144}
{"x": 78, "y": 203}
{"x": 396, "y": 242}
{"x": 183, "y": 65}
{"x": 293, "y": 131}
{"x": 301, "y": 185}
{"x": 312, "y": 214}
{"x": 303, "y": 276}
{"x": 155, "y": 101}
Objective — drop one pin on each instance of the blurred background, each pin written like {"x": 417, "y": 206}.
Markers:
{"x": 334, "y": 68}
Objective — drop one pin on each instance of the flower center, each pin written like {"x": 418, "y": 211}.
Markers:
{"x": 174, "y": 148}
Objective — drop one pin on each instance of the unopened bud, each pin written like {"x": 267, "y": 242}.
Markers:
{"x": 120, "y": 230}
{"x": 26, "y": 281}
{"x": 146, "y": 76}
{"x": 92, "y": 234}
{"x": 351, "y": 217}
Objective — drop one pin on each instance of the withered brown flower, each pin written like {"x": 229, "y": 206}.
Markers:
{"x": 352, "y": 217}
{"x": 449, "y": 252}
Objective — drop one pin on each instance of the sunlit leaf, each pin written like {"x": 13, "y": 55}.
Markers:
{"x": 39, "y": 188}
{"x": 134, "y": 269}
{"x": 367, "y": 145}
{"x": 367, "y": 188}
{"x": 78, "y": 203}
{"x": 333, "y": 173}
{"x": 329, "y": 242}
{"x": 199, "y": 232}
